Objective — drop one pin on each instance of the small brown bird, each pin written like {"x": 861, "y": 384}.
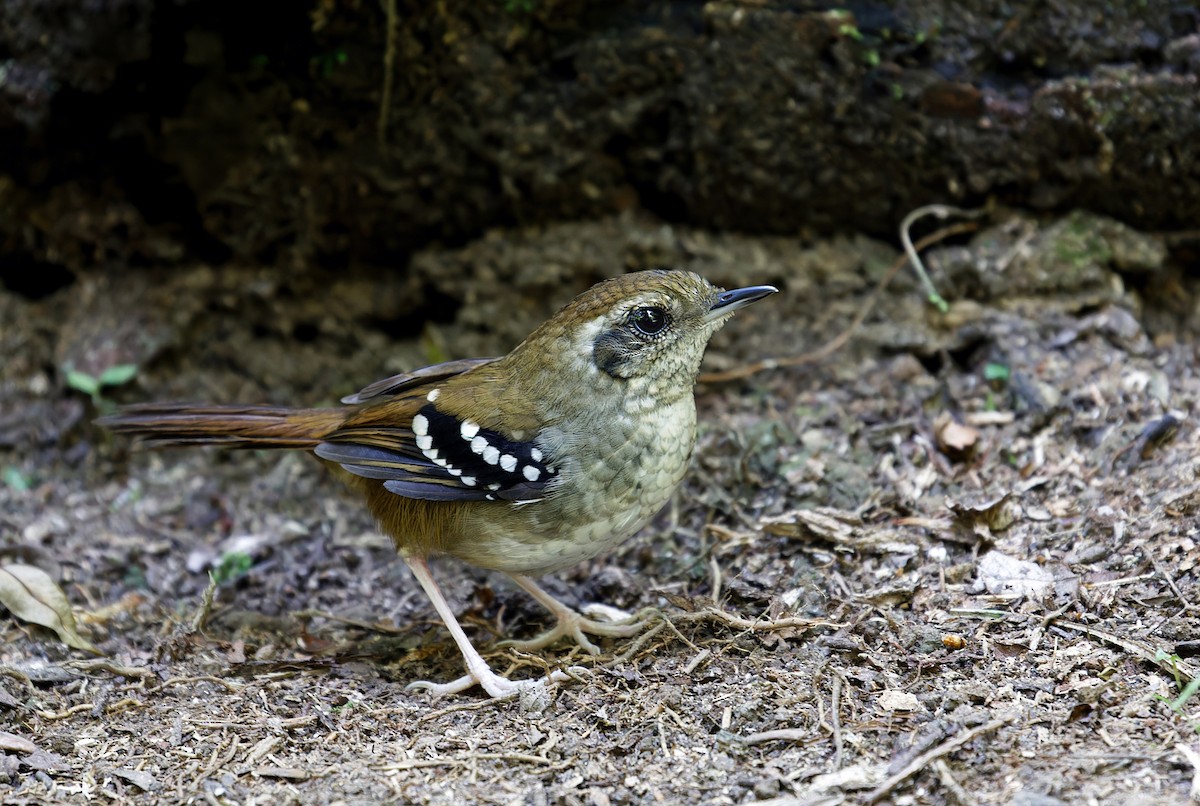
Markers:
{"x": 524, "y": 464}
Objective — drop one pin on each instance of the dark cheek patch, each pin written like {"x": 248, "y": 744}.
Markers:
{"x": 610, "y": 353}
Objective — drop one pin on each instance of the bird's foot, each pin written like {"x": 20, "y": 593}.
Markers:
{"x": 496, "y": 686}
{"x": 576, "y": 626}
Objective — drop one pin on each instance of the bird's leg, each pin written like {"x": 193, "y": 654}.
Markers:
{"x": 478, "y": 672}
{"x": 570, "y": 624}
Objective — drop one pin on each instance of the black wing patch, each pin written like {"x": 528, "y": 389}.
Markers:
{"x": 443, "y": 458}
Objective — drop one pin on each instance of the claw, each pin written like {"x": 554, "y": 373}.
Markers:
{"x": 496, "y": 686}
{"x": 569, "y": 623}
{"x": 573, "y": 625}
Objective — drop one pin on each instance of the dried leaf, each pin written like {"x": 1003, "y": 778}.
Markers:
{"x": 289, "y": 773}
{"x": 142, "y": 780}
{"x": 7, "y": 700}
{"x": 31, "y": 595}
{"x": 996, "y": 515}
{"x": 890, "y": 595}
{"x": 11, "y": 743}
{"x": 1003, "y": 575}
{"x": 843, "y": 528}
{"x": 956, "y": 440}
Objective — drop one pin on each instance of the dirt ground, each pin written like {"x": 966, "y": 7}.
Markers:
{"x": 954, "y": 561}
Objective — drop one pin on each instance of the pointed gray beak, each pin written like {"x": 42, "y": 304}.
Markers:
{"x": 730, "y": 301}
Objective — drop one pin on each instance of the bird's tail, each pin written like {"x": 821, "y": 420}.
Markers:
{"x": 164, "y": 425}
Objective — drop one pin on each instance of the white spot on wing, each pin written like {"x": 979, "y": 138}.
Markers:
{"x": 478, "y": 444}
{"x": 491, "y": 455}
{"x": 530, "y": 472}
{"x": 431, "y": 454}
{"x": 536, "y": 454}
{"x": 454, "y": 471}
{"x": 468, "y": 429}
{"x": 433, "y": 395}
{"x": 420, "y": 425}
{"x": 508, "y": 462}
{"x": 425, "y": 442}
{"x": 468, "y": 480}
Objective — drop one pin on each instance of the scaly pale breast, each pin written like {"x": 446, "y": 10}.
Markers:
{"x": 612, "y": 481}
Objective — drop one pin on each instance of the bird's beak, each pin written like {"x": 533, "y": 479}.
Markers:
{"x": 730, "y": 301}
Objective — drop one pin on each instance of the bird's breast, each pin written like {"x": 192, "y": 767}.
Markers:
{"x": 611, "y": 480}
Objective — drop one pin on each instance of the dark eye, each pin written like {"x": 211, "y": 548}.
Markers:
{"x": 650, "y": 321}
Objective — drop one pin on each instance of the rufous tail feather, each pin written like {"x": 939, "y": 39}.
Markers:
{"x": 175, "y": 424}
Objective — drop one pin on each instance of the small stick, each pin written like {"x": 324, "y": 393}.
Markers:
{"x": 939, "y": 211}
{"x": 944, "y": 749}
{"x": 835, "y": 718}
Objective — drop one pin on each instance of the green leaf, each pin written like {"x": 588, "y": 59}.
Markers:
{"x": 233, "y": 564}
{"x": 996, "y": 372}
{"x": 118, "y": 374}
{"x": 17, "y": 480}
{"x": 82, "y": 382}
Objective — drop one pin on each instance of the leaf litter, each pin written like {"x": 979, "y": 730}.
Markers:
{"x": 953, "y": 558}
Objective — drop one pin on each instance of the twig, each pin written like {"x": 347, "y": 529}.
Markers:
{"x": 753, "y": 625}
{"x": 839, "y": 341}
{"x": 940, "y": 211}
{"x": 1191, "y": 608}
{"x": 200, "y": 618}
{"x": 217, "y": 761}
{"x": 944, "y": 749}
{"x": 637, "y": 644}
{"x": 951, "y": 783}
{"x": 701, "y": 656}
{"x": 203, "y": 678}
{"x": 465, "y": 706}
{"x": 1175, "y": 667}
{"x": 835, "y": 718}
{"x": 105, "y": 665}
{"x": 781, "y": 735}
{"x": 1189, "y": 753}
{"x": 389, "y": 69}
{"x": 370, "y": 626}
{"x": 470, "y": 758}
{"x": 680, "y": 635}
{"x": 1035, "y": 638}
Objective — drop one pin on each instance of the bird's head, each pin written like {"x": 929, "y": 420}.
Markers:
{"x": 646, "y": 330}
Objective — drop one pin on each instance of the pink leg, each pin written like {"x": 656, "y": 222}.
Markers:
{"x": 570, "y": 624}
{"x": 478, "y": 672}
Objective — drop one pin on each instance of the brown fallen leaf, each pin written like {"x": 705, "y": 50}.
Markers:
{"x": 11, "y": 743}
{"x": 956, "y": 440}
{"x": 31, "y": 595}
{"x": 843, "y": 528}
{"x": 994, "y": 515}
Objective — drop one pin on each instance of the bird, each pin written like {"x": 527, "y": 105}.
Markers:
{"x": 524, "y": 464}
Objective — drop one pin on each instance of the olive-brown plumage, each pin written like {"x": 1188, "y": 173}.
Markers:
{"x": 527, "y": 463}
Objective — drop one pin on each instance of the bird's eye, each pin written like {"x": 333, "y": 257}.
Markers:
{"x": 650, "y": 321}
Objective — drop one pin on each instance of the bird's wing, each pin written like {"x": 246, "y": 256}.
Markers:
{"x": 405, "y": 381}
{"x": 406, "y": 438}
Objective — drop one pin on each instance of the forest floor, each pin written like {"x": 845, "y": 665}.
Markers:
{"x": 953, "y": 560}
